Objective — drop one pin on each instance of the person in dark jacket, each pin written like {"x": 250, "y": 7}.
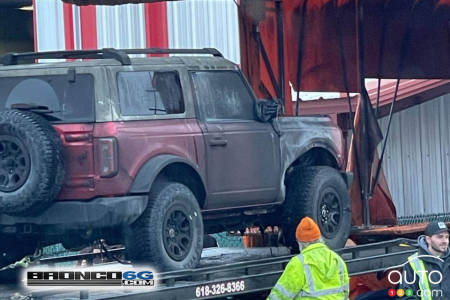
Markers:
{"x": 433, "y": 257}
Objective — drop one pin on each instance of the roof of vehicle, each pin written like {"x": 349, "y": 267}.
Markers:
{"x": 195, "y": 62}
{"x": 206, "y": 58}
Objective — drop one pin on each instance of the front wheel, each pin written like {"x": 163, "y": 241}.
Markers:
{"x": 318, "y": 192}
{"x": 169, "y": 234}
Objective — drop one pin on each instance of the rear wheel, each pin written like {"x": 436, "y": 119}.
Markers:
{"x": 169, "y": 234}
{"x": 318, "y": 192}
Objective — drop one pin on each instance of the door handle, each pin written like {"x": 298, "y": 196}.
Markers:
{"x": 219, "y": 141}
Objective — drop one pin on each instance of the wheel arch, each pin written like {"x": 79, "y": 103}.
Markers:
{"x": 172, "y": 168}
{"x": 315, "y": 155}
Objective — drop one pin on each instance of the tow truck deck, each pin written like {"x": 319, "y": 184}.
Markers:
{"x": 235, "y": 280}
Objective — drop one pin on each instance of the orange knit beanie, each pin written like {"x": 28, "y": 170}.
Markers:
{"x": 307, "y": 231}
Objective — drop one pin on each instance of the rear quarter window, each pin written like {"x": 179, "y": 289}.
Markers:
{"x": 147, "y": 93}
{"x": 68, "y": 101}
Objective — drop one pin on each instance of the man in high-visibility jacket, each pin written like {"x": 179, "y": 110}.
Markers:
{"x": 316, "y": 273}
{"x": 427, "y": 274}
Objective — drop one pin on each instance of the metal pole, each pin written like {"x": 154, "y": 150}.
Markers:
{"x": 280, "y": 41}
{"x": 262, "y": 49}
{"x": 365, "y": 176}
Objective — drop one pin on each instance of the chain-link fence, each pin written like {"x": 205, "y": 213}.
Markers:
{"x": 443, "y": 217}
{"x": 224, "y": 239}
{"x": 56, "y": 251}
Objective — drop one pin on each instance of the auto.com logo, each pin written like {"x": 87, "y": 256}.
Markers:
{"x": 396, "y": 277}
{"x": 401, "y": 293}
{"x": 411, "y": 293}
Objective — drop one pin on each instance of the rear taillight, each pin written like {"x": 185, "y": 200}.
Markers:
{"x": 107, "y": 156}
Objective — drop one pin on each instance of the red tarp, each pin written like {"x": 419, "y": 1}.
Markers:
{"x": 382, "y": 209}
{"x": 401, "y": 39}
{"x": 427, "y": 49}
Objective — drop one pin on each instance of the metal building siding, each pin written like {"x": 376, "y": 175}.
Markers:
{"x": 76, "y": 27}
{"x": 417, "y": 160}
{"x": 121, "y": 26}
{"x": 444, "y": 122}
{"x": 203, "y": 23}
{"x": 431, "y": 157}
{"x": 393, "y": 151}
{"x": 49, "y": 25}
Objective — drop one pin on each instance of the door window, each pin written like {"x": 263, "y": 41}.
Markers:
{"x": 223, "y": 95}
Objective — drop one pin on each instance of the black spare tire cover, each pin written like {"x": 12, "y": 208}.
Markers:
{"x": 31, "y": 163}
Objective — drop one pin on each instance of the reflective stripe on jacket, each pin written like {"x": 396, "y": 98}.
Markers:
{"x": 316, "y": 273}
{"x": 419, "y": 268}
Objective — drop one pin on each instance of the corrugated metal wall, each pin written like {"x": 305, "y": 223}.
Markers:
{"x": 191, "y": 24}
{"x": 50, "y": 25}
{"x": 203, "y": 23}
{"x": 121, "y": 26}
{"x": 417, "y": 158}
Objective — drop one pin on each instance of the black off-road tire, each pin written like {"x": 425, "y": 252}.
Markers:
{"x": 149, "y": 239}
{"x": 40, "y": 143}
{"x": 311, "y": 191}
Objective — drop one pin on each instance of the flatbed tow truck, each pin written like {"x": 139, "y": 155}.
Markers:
{"x": 232, "y": 279}
{"x": 253, "y": 278}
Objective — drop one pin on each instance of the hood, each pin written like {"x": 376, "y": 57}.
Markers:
{"x": 423, "y": 247}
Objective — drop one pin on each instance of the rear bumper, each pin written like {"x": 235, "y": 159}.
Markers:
{"x": 80, "y": 215}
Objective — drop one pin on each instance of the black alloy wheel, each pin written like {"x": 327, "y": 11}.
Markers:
{"x": 15, "y": 163}
{"x": 177, "y": 234}
{"x": 329, "y": 214}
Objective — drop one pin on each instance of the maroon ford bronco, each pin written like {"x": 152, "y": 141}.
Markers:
{"x": 154, "y": 153}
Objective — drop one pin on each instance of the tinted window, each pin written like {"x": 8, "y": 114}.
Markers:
{"x": 223, "y": 95}
{"x": 68, "y": 100}
{"x": 150, "y": 93}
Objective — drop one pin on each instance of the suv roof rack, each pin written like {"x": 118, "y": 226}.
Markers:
{"x": 120, "y": 55}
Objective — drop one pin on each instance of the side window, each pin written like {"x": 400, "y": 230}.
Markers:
{"x": 150, "y": 93}
{"x": 223, "y": 95}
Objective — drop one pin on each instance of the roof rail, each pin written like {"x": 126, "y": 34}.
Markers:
{"x": 121, "y": 55}
{"x": 211, "y": 51}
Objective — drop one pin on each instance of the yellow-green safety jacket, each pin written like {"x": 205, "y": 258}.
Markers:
{"x": 316, "y": 273}
{"x": 418, "y": 267}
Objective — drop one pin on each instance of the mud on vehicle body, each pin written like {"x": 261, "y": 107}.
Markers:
{"x": 155, "y": 153}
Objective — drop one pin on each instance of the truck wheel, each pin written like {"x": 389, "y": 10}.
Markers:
{"x": 169, "y": 234}
{"x": 31, "y": 163}
{"x": 318, "y": 192}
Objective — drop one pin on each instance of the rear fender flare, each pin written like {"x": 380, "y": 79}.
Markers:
{"x": 153, "y": 167}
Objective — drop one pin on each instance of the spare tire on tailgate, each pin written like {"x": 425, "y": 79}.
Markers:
{"x": 31, "y": 163}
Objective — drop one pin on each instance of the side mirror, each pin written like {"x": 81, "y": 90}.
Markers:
{"x": 266, "y": 110}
